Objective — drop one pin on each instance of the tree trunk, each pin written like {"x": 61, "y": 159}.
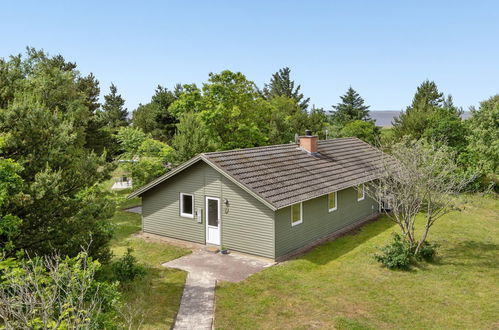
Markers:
{"x": 423, "y": 238}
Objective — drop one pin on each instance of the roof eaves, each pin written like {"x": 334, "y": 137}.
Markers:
{"x": 341, "y": 187}
{"x": 162, "y": 178}
{"x": 185, "y": 165}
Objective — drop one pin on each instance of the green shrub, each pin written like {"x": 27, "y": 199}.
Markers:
{"x": 427, "y": 251}
{"x": 126, "y": 268}
{"x": 395, "y": 255}
{"x": 364, "y": 130}
{"x": 399, "y": 255}
{"x": 146, "y": 170}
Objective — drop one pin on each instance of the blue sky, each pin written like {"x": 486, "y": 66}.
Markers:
{"x": 383, "y": 49}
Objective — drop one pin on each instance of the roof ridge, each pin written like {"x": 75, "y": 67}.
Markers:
{"x": 272, "y": 146}
{"x": 244, "y": 149}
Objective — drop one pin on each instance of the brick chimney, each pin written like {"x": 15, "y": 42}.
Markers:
{"x": 308, "y": 142}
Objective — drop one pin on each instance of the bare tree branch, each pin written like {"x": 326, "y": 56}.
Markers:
{"x": 418, "y": 177}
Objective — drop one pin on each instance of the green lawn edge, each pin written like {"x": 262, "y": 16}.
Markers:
{"x": 152, "y": 302}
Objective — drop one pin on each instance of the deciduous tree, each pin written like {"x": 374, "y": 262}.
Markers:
{"x": 418, "y": 177}
{"x": 191, "y": 139}
{"x": 145, "y": 158}
{"x": 484, "y": 136}
{"x": 444, "y": 125}
{"x": 317, "y": 122}
{"x": 233, "y": 112}
{"x": 287, "y": 118}
{"x": 364, "y": 130}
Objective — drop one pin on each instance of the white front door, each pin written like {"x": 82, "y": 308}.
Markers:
{"x": 213, "y": 220}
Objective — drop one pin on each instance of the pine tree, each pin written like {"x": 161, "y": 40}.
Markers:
{"x": 44, "y": 128}
{"x": 351, "y": 108}
{"x": 427, "y": 96}
{"x": 282, "y": 85}
{"x": 155, "y": 117}
{"x": 114, "y": 114}
{"x": 414, "y": 120}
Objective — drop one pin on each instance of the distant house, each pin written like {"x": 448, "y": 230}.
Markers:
{"x": 268, "y": 201}
{"x": 123, "y": 182}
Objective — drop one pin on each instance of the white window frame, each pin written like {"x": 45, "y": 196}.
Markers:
{"x": 301, "y": 214}
{"x": 363, "y": 192}
{"x": 182, "y": 214}
{"x": 335, "y": 201}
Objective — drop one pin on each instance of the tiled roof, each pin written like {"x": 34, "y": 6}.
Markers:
{"x": 282, "y": 175}
{"x": 285, "y": 174}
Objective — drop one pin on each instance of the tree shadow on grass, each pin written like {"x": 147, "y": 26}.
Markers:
{"x": 471, "y": 253}
{"x": 336, "y": 248}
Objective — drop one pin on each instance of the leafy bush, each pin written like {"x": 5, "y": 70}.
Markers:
{"x": 130, "y": 139}
{"x": 146, "y": 170}
{"x": 364, "y": 130}
{"x": 56, "y": 293}
{"x": 155, "y": 148}
{"x": 427, "y": 251}
{"x": 126, "y": 268}
{"x": 398, "y": 254}
{"x": 395, "y": 255}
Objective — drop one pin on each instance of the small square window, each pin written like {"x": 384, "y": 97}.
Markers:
{"x": 332, "y": 201}
{"x": 296, "y": 214}
{"x": 186, "y": 205}
{"x": 360, "y": 192}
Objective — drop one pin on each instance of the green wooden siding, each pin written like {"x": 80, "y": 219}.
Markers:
{"x": 246, "y": 224}
{"x": 317, "y": 221}
{"x": 161, "y": 205}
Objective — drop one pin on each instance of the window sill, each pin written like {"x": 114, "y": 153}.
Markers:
{"x": 332, "y": 210}
{"x": 185, "y": 215}
{"x": 296, "y": 223}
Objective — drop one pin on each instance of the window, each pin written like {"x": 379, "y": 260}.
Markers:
{"x": 332, "y": 201}
{"x": 186, "y": 205}
{"x": 296, "y": 214}
{"x": 360, "y": 192}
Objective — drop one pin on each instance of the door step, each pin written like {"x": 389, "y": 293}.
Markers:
{"x": 212, "y": 249}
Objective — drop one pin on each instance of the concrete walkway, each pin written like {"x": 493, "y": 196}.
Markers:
{"x": 135, "y": 209}
{"x": 204, "y": 269}
{"x": 196, "y": 307}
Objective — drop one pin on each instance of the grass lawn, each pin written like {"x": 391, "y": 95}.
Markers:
{"x": 339, "y": 285}
{"x": 154, "y": 299}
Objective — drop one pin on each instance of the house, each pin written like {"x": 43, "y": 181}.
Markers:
{"x": 269, "y": 201}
